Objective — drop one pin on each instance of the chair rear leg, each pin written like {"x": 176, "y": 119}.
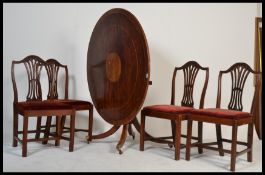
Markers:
{"x": 38, "y": 127}
{"x": 90, "y": 125}
{"x": 25, "y": 136}
{"x": 200, "y": 130}
{"x": 250, "y": 141}
{"x": 188, "y": 139}
{"x": 233, "y": 148}
{"x": 142, "y": 132}
{"x": 47, "y": 129}
{"x": 58, "y": 130}
{"x": 219, "y": 139}
{"x": 63, "y": 122}
{"x": 15, "y": 128}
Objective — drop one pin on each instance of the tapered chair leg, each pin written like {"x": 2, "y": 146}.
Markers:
{"x": 177, "y": 138}
{"x": 233, "y": 148}
{"x": 38, "y": 127}
{"x": 219, "y": 139}
{"x": 250, "y": 141}
{"x": 90, "y": 125}
{"x": 47, "y": 129}
{"x": 142, "y": 132}
{"x": 25, "y": 136}
{"x": 173, "y": 130}
{"x": 200, "y": 129}
{"x": 188, "y": 140}
{"x": 72, "y": 133}
{"x": 58, "y": 130}
{"x": 15, "y": 128}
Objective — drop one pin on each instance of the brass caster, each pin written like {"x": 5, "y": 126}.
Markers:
{"x": 119, "y": 149}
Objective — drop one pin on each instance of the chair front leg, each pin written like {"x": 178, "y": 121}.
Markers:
{"x": 25, "y": 136}
{"x": 38, "y": 127}
{"x": 173, "y": 130}
{"x": 233, "y": 147}
{"x": 250, "y": 141}
{"x": 142, "y": 132}
{"x": 219, "y": 139}
{"x": 200, "y": 131}
{"x": 15, "y": 128}
{"x": 177, "y": 138}
{"x": 72, "y": 133}
{"x": 188, "y": 140}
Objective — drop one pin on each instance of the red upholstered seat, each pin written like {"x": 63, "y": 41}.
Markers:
{"x": 33, "y": 108}
{"x": 77, "y": 104}
{"x": 168, "y": 108}
{"x": 176, "y": 114}
{"x": 42, "y": 105}
{"x": 222, "y": 113}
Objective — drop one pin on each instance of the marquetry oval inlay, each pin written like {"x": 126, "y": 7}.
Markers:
{"x": 113, "y": 67}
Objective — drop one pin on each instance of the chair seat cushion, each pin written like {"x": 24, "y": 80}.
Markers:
{"x": 42, "y": 105}
{"x": 77, "y": 104}
{"x": 168, "y": 108}
{"x": 222, "y": 113}
{"x": 33, "y": 108}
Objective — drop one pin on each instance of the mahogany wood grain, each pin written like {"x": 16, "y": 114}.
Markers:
{"x": 118, "y": 68}
{"x": 111, "y": 131}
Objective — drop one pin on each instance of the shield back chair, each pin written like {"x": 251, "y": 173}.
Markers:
{"x": 52, "y": 68}
{"x": 35, "y": 107}
{"x": 233, "y": 116}
{"x": 177, "y": 113}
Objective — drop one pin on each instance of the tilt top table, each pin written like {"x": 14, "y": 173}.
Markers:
{"x": 118, "y": 71}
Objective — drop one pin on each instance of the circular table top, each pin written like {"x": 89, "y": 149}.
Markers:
{"x": 118, "y": 68}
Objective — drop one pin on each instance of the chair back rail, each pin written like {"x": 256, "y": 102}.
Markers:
{"x": 190, "y": 71}
{"x": 239, "y": 73}
{"x": 52, "y": 66}
{"x": 33, "y": 65}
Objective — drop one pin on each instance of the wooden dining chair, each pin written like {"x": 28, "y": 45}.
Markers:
{"x": 35, "y": 107}
{"x": 52, "y": 67}
{"x": 233, "y": 116}
{"x": 177, "y": 113}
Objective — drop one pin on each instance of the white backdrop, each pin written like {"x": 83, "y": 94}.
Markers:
{"x": 214, "y": 35}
